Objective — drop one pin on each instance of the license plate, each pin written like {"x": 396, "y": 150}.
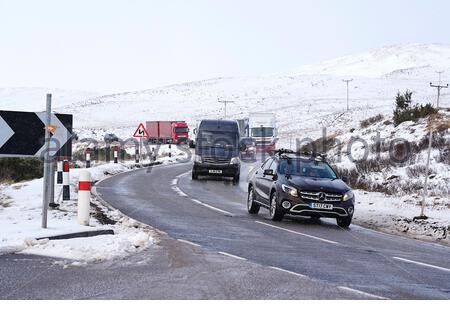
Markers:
{"x": 215, "y": 171}
{"x": 324, "y": 206}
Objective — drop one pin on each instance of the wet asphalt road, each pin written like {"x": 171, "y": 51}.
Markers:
{"x": 230, "y": 254}
{"x": 212, "y": 214}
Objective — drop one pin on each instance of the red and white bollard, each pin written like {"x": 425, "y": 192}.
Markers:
{"x": 66, "y": 181}
{"x": 59, "y": 168}
{"x": 88, "y": 158}
{"x": 84, "y": 198}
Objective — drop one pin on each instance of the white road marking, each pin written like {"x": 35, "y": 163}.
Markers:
{"x": 422, "y": 264}
{"x": 299, "y": 233}
{"x": 178, "y": 190}
{"x": 369, "y": 295}
{"x": 231, "y": 255}
{"x": 183, "y": 174}
{"x": 227, "y": 213}
{"x": 188, "y": 242}
{"x": 290, "y": 272}
{"x": 181, "y": 193}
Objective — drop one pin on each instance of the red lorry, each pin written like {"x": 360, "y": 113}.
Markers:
{"x": 167, "y": 132}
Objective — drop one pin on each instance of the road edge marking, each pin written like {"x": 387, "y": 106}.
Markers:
{"x": 189, "y": 242}
{"x": 290, "y": 272}
{"x": 299, "y": 233}
{"x": 369, "y": 295}
{"x": 422, "y": 264}
{"x": 231, "y": 256}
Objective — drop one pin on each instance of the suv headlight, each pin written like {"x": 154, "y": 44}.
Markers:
{"x": 348, "y": 195}
{"x": 234, "y": 160}
{"x": 198, "y": 158}
{"x": 289, "y": 190}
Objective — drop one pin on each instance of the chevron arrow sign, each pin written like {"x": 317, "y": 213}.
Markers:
{"x": 22, "y": 134}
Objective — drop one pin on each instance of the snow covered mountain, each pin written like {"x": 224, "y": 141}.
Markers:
{"x": 304, "y": 100}
{"x": 393, "y": 60}
{"x": 33, "y": 99}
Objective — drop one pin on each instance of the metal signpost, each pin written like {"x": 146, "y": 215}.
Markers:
{"x": 140, "y": 133}
{"x": 37, "y": 134}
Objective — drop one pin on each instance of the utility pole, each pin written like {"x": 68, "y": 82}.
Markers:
{"x": 430, "y": 140}
{"x": 348, "y": 82}
{"x": 225, "y": 102}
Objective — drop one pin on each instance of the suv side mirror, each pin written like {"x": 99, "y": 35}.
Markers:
{"x": 345, "y": 179}
{"x": 268, "y": 172}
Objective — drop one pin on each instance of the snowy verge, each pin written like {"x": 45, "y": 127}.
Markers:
{"x": 396, "y": 215}
{"x": 20, "y": 221}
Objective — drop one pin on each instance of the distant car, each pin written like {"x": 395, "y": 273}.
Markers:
{"x": 111, "y": 137}
{"x": 288, "y": 183}
{"x": 248, "y": 148}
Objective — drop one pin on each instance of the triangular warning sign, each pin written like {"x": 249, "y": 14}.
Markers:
{"x": 140, "y": 132}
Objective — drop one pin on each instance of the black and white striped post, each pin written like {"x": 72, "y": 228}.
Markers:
{"x": 88, "y": 157}
{"x": 66, "y": 181}
{"x": 170, "y": 150}
{"x": 136, "y": 155}
{"x": 116, "y": 154}
{"x": 59, "y": 175}
{"x": 107, "y": 154}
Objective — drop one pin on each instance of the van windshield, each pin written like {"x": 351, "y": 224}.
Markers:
{"x": 262, "y": 132}
{"x": 217, "y": 139}
{"x": 307, "y": 168}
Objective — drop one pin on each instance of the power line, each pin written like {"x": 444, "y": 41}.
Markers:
{"x": 348, "y": 82}
{"x": 225, "y": 102}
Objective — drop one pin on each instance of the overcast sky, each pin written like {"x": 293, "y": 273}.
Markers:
{"x": 111, "y": 45}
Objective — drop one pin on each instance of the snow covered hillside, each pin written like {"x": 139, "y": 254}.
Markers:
{"x": 393, "y": 61}
{"x": 304, "y": 102}
{"x": 33, "y": 99}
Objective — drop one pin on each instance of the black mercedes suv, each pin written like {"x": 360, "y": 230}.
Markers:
{"x": 295, "y": 184}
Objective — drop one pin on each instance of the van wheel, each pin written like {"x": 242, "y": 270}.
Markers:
{"x": 252, "y": 206}
{"x": 275, "y": 210}
{"x": 194, "y": 175}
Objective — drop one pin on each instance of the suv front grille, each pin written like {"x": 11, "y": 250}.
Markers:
{"x": 321, "y": 196}
{"x": 213, "y": 160}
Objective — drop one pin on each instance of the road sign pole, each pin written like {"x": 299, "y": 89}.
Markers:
{"x": 46, "y": 187}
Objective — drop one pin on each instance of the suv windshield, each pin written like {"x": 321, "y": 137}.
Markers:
{"x": 219, "y": 139}
{"x": 307, "y": 168}
{"x": 262, "y": 132}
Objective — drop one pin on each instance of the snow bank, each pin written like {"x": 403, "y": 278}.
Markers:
{"x": 20, "y": 222}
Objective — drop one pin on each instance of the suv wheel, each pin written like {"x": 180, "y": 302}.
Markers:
{"x": 344, "y": 222}
{"x": 194, "y": 175}
{"x": 275, "y": 210}
{"x": 252, "y": 206}
{"x": 236, "y": 178}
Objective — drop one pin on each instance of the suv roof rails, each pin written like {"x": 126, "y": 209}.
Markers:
{"x": 315, "y": 155}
